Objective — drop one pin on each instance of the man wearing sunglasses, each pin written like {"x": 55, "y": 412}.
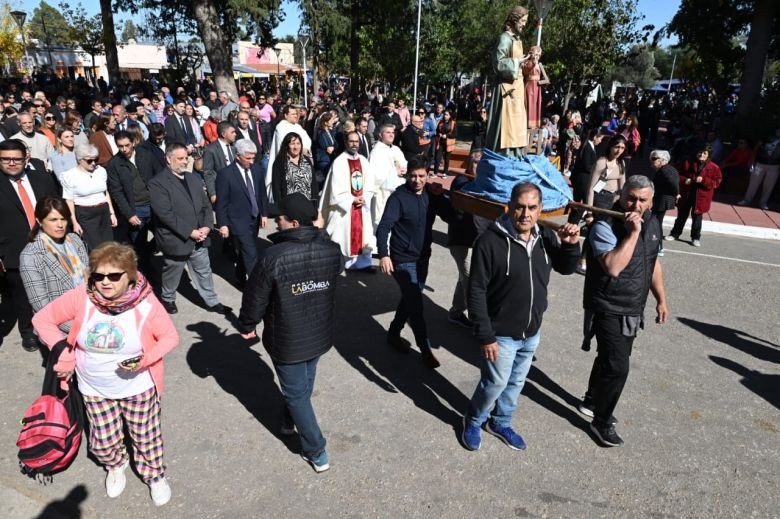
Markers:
{"x": 19, "y": 192}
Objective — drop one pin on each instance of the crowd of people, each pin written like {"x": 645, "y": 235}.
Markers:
{"x": 99, "y": 182}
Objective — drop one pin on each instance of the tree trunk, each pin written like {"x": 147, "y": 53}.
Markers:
{"x": 109, "y": 41}
{"x": 567, "y": 98}
{"x": 755, "y": 58}
{"x": 218, "y": 49}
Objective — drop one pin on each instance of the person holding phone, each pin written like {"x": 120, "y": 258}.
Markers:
{"x": 119, "y": 334}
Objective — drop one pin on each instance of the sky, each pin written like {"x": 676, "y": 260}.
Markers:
{"x": 657, "y": 12}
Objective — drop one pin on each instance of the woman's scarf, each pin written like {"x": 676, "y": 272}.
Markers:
{"x": 136, "y": 292}
{"x": 68, "y": 256}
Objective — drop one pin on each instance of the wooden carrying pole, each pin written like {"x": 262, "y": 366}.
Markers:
{"x": 608, "y": 212}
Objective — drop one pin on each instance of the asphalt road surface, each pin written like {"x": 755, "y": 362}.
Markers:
{"x": 700, "y": 413}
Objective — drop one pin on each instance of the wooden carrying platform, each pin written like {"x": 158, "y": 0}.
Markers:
{"x": 487, "y": 208}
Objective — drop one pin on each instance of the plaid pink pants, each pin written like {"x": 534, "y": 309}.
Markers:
{"x": 141, "y": 413}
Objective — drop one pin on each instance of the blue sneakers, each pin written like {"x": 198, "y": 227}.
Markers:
{"x": 319, "y": 463}
{"x": 507, "y": 435}
{"x": 471, "y": 436}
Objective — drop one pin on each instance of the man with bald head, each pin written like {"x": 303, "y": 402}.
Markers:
{"x": 415, "y": 140}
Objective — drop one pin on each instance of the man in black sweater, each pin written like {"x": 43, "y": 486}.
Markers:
{"x": 409, "y": 215}
{"x": 293, "y": 291}
{"x": 510, "y": 270}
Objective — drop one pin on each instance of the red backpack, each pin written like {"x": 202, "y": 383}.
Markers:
{"x": 52, "y": 425}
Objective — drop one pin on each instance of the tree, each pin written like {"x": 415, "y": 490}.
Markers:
{"x": 638, "y": 67}
{"x": 49, "y": 25}
{"x": 11, "y": 50}
{"x": 86, "y": 31}
{"x": 219, "y": 24}
{"x": 129, "y": 32}
{"x": 717, "y": 36}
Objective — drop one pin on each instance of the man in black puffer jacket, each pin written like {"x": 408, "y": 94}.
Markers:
{"x": 292, "y": 289}
{"x": 510, "y": 270}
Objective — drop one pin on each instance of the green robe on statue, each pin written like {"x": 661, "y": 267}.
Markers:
{"x": 507, "y": 131}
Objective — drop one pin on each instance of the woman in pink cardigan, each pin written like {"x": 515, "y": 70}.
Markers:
{"x": 119, "y": 335}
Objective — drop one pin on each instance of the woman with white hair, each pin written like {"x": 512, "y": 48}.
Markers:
{"x": 667, "y": 188}
{"x": 84, "y": 189}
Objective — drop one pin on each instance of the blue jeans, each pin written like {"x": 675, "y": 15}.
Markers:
{"x": 297, "y": 383}
{"x": 502, "y": 381}
{"x": 411, "y": 280}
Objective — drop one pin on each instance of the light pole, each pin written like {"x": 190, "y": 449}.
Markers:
{"x": 542, "y": 8}
{"x": 417, "y": 55}
{"x": 278, "y": 52}
{"x": 304, "y": 37}
{"x": 20, "y": 17}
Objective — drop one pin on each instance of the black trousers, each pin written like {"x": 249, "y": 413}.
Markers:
{"x": 96, "y": 224}
{"x": 682, "y": 215}
{"x": 411, "y": 280}
{"x": 610, "y": 368}
{"x": 14, "y": 288}
{"x": 659, "y": 215}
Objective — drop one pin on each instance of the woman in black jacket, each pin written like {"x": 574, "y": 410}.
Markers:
{"x": 667, "y": 188}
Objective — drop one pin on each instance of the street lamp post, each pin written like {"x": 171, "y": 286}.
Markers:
{"x": 278, "y": 52}
{"x": 20, "y": 17}
{"x": 304, "y": 37}
{"x": 417, "y": 56}
{"x": 542, "y": 8}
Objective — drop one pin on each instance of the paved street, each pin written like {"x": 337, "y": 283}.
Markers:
{"x": 700, "y": 413}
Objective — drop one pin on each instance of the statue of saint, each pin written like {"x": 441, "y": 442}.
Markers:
{"x": 535, "y": 77}
{"x": 507, "y": 131}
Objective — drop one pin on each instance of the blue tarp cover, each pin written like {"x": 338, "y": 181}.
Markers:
{"x": 498, "y": 174}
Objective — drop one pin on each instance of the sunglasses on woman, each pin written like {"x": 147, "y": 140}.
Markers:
{"x": 112, "y": 276}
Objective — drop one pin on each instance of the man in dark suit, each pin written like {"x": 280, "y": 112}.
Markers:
{"x": 580, "y": 176}
{"x": 366, "y": 139}
{"x": 20, "y": 190}
{"x": 182, "y": 222}
{"x": 218, "y": 155}
{"x": 178, "y": 128}
{"x": 129, "y": 173}
{"x": 246, "y": 129}
{"x": 242, "y": 205}
{"x": 155, "y": 144}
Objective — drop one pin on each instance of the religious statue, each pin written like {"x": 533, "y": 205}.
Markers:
{"x": 507, "y": 131}
{"x": 535, "y": 76}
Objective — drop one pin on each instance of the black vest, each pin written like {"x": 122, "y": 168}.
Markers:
{"x": 625, "y": 294}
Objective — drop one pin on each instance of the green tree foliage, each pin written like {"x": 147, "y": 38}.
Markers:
{"x": 130, "y": 31}
{"x": 582, "y": 40}
{"x": 48, "y": 25}
{"x": 734, "y": 40}
{"x": 638, "y": 67}
{"x": 86, "y": 31}
{"x": 11, "y": 50}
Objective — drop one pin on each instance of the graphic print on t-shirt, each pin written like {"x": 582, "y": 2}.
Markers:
{"x": 105, "y": 337}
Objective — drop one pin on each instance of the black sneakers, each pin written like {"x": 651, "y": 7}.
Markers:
{"x": 606, "y": 434}
{"x": 588, "y": 408}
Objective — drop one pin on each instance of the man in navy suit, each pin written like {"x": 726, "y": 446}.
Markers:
{"x": 242, "y": 205}
{"x": 20, "y": 191}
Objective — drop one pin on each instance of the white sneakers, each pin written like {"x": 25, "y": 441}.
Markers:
{"x": 116, "y": 481}
{"x": 161, "y": 492}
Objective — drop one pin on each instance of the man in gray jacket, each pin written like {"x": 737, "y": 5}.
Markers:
{"x": 183, "y": 220}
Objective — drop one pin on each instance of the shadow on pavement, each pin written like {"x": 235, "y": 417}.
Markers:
{"x": 567, "y": 411}
{"x": 361, "y": 340}
{"x": 758, "y": 348}
{"x": 240, "y": 371}
{"x": 67, "y": 508}
{"x": 765, "y": 386}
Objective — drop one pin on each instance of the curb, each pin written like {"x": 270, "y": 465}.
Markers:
{"x": 730, "y": 229}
